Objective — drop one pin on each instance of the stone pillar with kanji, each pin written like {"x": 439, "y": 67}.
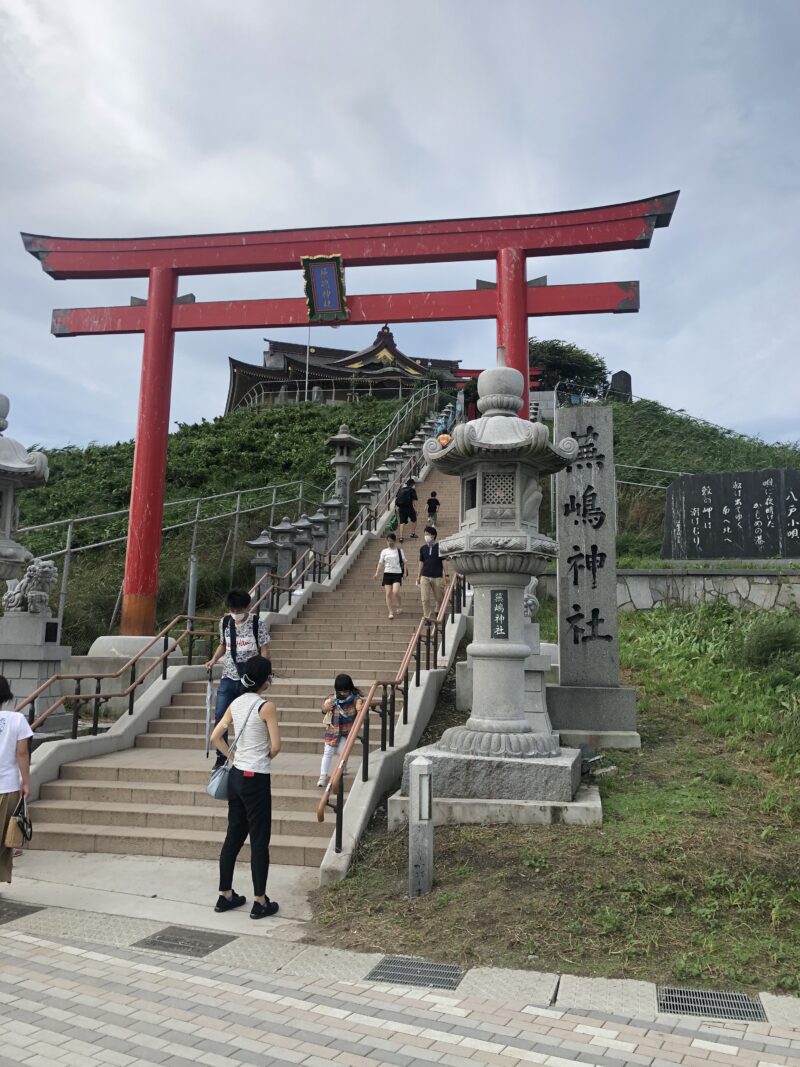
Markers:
{"x": 589, "y": 707}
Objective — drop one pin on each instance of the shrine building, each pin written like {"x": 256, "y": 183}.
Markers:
{"x": 334, "y": 374}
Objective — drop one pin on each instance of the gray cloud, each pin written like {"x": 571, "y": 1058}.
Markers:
{"x": 131, "y": 118}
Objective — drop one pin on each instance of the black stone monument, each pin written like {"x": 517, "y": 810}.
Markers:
{"x": 739, "y": 515}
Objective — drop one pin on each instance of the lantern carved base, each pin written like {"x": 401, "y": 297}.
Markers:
{"x": 467, "y": 742}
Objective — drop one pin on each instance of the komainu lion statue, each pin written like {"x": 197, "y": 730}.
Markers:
{"x": 32, "y": 592}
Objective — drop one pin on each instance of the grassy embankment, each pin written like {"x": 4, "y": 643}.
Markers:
{"x": 694, "y": 876}
{"x": 241, "y": 451}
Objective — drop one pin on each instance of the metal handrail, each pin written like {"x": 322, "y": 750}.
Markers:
{"x": 167, "y": 504}
{"x": 430, "y": 635}
{"x": 99, "y": 697}
{"x": 422, "y": 397}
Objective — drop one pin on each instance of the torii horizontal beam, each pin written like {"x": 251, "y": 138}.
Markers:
{"x": 507, "y": 239}
{"x": 586, "y": 299}
{"x": 600, "y": 229}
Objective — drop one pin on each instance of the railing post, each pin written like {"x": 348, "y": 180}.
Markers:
{"x": 235, "y": 537}
{"x": 392, "y": 714}
{"x": 96, "y": 709}
{"x": 419, "y": 657}
{"x": 32, "y": 712}
{"x": 133, "y": 690}
{"x": 77, "y": 709}
{"x": 405, "y": 697}
{"x": 433, "y": 629}
{"x": 339, "y": 812}
{"x": 62, "y": 596}
{"x": 427, "y": 647}
{"x": 384, "y": 719}
{"x": 365, "y": 747}
{"x": 164, "y": 661}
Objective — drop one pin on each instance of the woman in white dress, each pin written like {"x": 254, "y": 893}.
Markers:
{"x": 393, "y": 565}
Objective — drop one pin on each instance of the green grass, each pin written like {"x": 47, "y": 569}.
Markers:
{"x": 247, "y": 449}
{"x": 693, "y": 876}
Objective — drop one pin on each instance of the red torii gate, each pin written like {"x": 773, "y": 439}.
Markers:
{"x": 508, "y": 239}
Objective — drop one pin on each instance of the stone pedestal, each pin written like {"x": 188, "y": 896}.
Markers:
{"x": 457, "y": 776}
{"x": 27, "y": 658}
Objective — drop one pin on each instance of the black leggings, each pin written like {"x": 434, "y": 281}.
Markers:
{"x": 249, "y": 812}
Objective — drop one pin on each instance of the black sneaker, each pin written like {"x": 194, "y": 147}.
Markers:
{"x": 261, "y": 911}
{"x": 229, "y": 903}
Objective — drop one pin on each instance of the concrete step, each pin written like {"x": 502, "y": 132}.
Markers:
{"x": 87, "y": 771}
{"x": 309, "y": 726}
{"x": 309, "y": 746}
{"x": 173, "y": 816}
{"x": 187, "y": 844}
{"x": 100, "y": 792}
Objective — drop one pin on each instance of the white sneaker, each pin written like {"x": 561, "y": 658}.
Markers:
{"x": 323, "y": 781}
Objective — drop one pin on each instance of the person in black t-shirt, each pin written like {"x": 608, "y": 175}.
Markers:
{"x": 406, "y": 511}
{"x": 431, "y": 577}
{"x": 432, "y": 505}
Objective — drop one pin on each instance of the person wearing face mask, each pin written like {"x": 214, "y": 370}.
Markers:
{"x": 431, "y": 576}
{"x": 254, "y": 721}
{"x": 339, "y": 711}
{"x": 241, "y": 635}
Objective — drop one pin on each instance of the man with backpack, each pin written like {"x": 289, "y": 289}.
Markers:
{"x": 241, "y": 635}
{"x": 404, "y": 505}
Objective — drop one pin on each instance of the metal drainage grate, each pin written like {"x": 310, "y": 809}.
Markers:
{"x": 9, "y": 911}
{"x": 184, "y": 941}
{"x": 713, "y": 1005}
{"x": 409, "y": 970}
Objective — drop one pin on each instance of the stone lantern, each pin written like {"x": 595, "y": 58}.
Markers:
{"x": 343, "y": 444}
{"x": 334, "y": 510}
{"x": 375, "y": 486}
{"x": 302, "y": 541}
{"x": 19, "y": 469}
{"x": 284, "y": 538}
{"x": 500, "y": 460}
{"x": 364, "y": 498}
{"x": 319, "y": 533}
{"x": 265, "y": 558}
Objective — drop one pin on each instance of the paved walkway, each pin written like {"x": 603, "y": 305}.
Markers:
{"x": 78, "y": 1004}
{"x": 78, "y": 987}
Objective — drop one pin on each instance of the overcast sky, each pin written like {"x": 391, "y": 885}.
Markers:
{"x": 194, "y": 116}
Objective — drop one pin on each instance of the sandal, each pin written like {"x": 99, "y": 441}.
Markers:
{"x": 391, "y": 616}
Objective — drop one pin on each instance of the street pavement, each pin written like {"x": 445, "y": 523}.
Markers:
{"x": 121, "y": 976}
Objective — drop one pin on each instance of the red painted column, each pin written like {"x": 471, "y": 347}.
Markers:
{"x": 512, "y": 314}
{"x": 140, "y": 588}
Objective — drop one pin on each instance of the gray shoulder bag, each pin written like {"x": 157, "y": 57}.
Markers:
{"x": 218, "y": 784}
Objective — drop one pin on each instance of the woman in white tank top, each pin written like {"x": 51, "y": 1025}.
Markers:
{"x": 256, "y": 742}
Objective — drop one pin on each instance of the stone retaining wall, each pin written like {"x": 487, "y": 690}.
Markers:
{"x": 640, "y": 590}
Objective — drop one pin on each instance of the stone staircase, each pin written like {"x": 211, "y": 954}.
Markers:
{"x": 151, "y": 799}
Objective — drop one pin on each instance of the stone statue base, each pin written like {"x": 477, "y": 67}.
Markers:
{"x": 553, "y": 778}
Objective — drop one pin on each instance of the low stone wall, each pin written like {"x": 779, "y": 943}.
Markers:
{"x": 640, "y": 590}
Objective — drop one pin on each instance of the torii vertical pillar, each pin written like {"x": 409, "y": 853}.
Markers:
{"x": 140, "y": 589}
{"x": 512, "y": 316}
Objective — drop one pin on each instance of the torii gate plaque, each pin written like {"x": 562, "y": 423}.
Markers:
{"x": 508, "y": 239}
